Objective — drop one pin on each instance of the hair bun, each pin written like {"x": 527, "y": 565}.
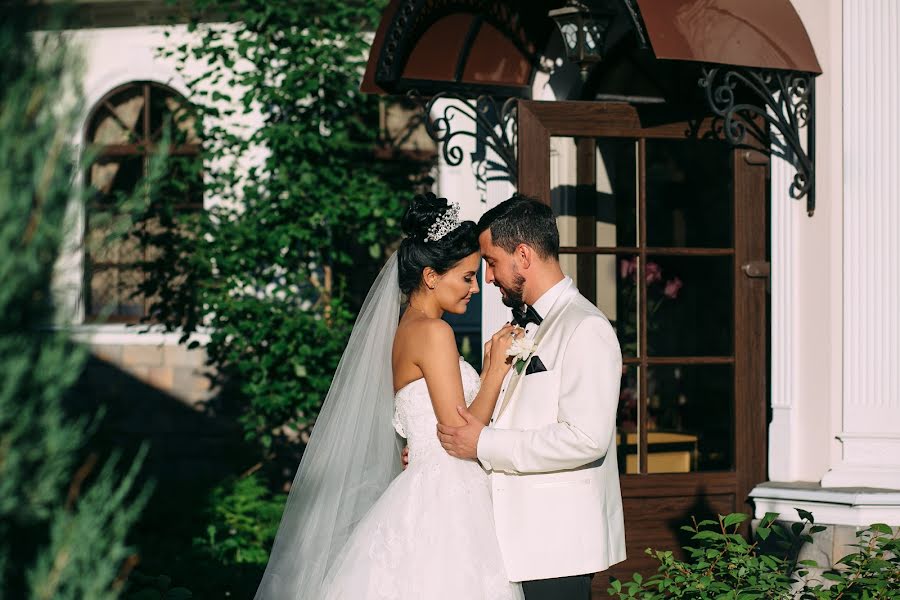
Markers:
{"x": 423, "y": 211}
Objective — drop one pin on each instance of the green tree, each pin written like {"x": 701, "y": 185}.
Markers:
{"x": 64, "y": 517}
{"x": 276, "y": 268}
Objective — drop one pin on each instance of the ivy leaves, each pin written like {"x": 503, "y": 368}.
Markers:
{"x": 302, "y": 211}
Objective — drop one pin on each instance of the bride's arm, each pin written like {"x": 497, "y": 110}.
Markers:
{"x": 440, "y": 366}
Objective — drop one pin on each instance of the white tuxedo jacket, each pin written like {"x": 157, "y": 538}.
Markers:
{"x": 551, "y": 450}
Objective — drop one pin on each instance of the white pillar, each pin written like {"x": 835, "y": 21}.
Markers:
{"x": 784, "y": 430}
{"x": 870, "y": 425}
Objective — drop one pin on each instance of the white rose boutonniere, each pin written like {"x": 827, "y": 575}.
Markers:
{"x": 520, "y": 351}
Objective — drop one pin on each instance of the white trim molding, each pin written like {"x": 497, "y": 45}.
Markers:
{"x": 859, "y": 507}
{"x": 114, "y": 334}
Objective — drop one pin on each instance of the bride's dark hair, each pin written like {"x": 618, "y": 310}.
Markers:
{"x": 441, "y": 255}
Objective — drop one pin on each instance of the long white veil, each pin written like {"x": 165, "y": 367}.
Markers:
{"x": 352, "y": 455}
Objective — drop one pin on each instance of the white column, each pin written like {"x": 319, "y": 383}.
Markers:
{"x": 784, "y": 430}
{"x": 870, "y": 426}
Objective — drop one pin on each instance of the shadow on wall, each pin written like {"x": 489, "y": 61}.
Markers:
{"x": 191, "y": 451}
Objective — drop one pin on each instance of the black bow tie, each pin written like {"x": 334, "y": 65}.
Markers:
{"x": 521, "y": 318}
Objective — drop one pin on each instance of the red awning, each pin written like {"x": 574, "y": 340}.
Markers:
{"x": 750, "y": 33}
{"x": 494, "y": 47}
{"x": 491, "y": 46}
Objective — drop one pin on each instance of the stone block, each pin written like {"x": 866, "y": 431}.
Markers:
{"x": 844, "y": 538}
{"x": 820, "y": 551}
{"x": 146, "y": 356}
{"x": 191, "y": 384}
{"x": 108, "y": 353}
{"x": 180, "y": 356}
{"x": 162, "y": 378}
{"x": 139, "y": 371}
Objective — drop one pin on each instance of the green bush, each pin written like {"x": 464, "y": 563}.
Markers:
{"x": 723, "y": 564}
{"x": 242, "y": 519}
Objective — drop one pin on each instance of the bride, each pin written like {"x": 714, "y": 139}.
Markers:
{"x": 354, "y": 526}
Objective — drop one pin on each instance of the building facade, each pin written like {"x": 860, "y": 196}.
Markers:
{"x": 761, "y": 339}
{"x": 794, "y": 330}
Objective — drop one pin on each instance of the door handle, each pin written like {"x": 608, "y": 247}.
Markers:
{"x": 756, "y": 269}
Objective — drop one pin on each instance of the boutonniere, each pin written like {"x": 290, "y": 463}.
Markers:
{"x": 520, "y": 351}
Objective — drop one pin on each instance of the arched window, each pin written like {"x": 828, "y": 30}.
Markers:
{"x": 123, "y": 132}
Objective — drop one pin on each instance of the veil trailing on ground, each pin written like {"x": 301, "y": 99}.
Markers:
{"x": 352, "y": 455}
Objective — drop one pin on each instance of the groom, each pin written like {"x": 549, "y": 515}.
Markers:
{"x": 550, "y": 448}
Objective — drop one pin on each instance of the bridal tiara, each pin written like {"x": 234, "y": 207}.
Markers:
{"x": 444, "y": 224}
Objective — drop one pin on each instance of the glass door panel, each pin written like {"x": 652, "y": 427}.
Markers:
{"x": 689, "y": 418}
{"x": 593, "y": 191}
{"x": 690, "y": 305}
{"x": 689, "y": 191}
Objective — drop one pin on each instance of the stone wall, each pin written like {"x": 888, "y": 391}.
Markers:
{"x": 172, "y": 369}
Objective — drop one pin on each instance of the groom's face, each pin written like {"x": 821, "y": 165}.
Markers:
{"x": 501, "y": 270}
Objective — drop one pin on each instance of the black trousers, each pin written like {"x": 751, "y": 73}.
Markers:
{"x": 576, "y": 587}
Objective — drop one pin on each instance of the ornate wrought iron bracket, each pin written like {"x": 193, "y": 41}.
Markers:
{"x": 495, "y": 129}
{"x": 771, "y": 107}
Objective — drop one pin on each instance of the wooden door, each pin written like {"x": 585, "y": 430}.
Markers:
{"x": 658, "y": 226}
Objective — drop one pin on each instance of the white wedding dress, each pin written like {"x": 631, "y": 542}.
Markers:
{"x": 430, "y": 536}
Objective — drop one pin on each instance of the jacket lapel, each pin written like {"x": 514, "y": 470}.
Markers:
{"x": 556, "y": 310}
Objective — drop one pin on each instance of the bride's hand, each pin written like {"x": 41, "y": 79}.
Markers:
{"x": 499, "y": 343}
{"x": 486, "y": 360}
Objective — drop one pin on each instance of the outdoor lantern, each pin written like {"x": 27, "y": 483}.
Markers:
{"x": 584, "y": 33}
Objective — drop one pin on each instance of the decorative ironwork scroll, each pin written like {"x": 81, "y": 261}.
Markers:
{"x": 495, "y": 129}
{"x": 744, "y": 98}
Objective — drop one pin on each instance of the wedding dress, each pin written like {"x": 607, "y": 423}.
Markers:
{"x": 431, "y": 534}
{"x": 356, "y": 527}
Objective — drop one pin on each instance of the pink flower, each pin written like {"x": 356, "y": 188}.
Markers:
{"x": 672, "y": 288}
{"x": 627, "y": 267}
{"x": 654, "y": 272}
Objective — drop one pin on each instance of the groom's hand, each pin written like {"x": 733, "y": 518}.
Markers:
{"x": 461, "y": 442}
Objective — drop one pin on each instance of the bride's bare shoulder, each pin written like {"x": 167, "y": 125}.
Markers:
{"x": 426, "y": 333}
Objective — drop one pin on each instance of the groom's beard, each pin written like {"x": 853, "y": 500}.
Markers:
{"x": 512, "y": 296}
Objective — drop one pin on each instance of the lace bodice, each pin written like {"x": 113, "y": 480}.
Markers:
{"x": 414, "y": 416}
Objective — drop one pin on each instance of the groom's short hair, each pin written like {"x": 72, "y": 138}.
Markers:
{"x": 522, "y": 220}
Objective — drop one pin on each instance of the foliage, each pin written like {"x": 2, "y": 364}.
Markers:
{"x": 301, "y": 202}
{"x": 723, "y": 564}
{"x": 214, "y": 546}
{"x": 243, "y": 518}
{"x": 146, "y": 587}
{"x": 870, "y": 573}
{"x": 62, "y": 526}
